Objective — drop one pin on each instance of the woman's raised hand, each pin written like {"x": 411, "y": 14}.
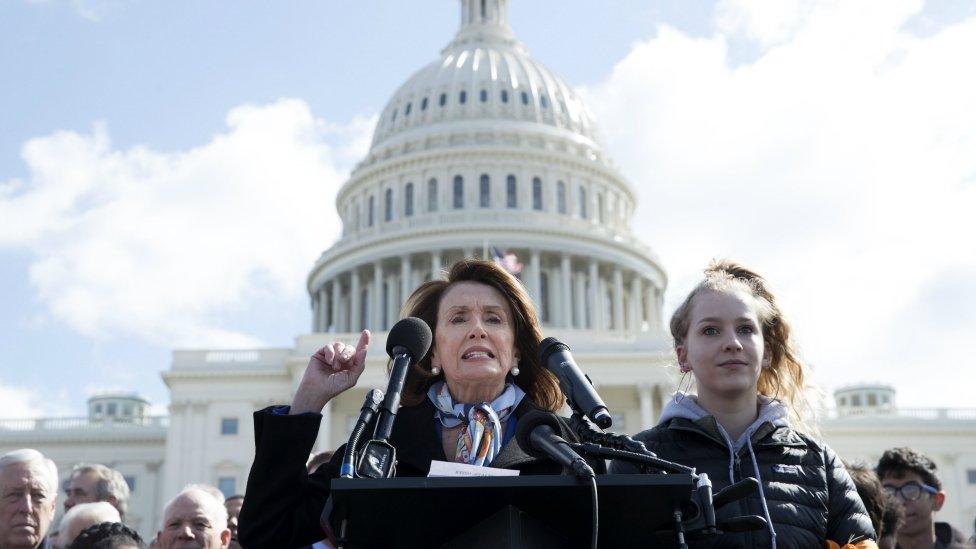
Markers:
{"x": 331, "y": 370}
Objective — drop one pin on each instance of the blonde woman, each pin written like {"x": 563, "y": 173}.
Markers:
{"x": 745, "y": 419}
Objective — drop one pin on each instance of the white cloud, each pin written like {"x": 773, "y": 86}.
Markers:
{"x": 23, "y": 403}
{"x": 158, "y": 245}
{"x": 92, "y": 10}
{"x": 841, "y": 161}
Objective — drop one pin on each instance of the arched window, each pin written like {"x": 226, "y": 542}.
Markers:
{"x": 511, "y": 192}
{"x": 484, "y": 10}
{"x": 543, "y": 102}
{"x": 408, "y": 200}
{"x": 393, "y": 118}
{"x": 388, "y": 207}
{"x": 423, "y": 104}
{"x": 504, "y": 96}
{"x": 462, "y": 97}
{"x": 458, "y": 192}
{"x": 561, "y": 196}
{"x": 483, "y": 95}
{"x": 432, "y": 195}
{"x": 536, "y": 193}
{"x": 599, "y": 208}
{"x": 525, "y": 99}
{"x": 370, "y": 210}
{"x": 582, "y": 203}
{"x": 406, "y": 111}
{"x": 442, "y": 100}
{"x": 485, "y": 188}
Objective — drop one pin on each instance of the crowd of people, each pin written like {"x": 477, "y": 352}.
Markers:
{"x": 462, "y": 402}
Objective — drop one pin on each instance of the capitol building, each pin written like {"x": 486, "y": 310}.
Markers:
{"x": 485, "y": 149}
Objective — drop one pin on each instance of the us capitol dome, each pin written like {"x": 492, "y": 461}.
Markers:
{"x": 482, "y": 151}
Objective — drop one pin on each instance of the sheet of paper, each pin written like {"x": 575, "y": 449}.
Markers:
{"x": 450, "y": 469}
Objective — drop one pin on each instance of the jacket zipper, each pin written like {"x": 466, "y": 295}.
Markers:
{"x": 744, "y": 507}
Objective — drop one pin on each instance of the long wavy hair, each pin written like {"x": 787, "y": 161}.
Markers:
{"x": 785, "y": 378}
{"x": 537, "y": 382}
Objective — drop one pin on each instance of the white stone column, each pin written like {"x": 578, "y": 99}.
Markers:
{"x": 566, "y": 303}
{"x": 596, "y": 308}
{"x": 636, "y": 316}
{"x": 618, "y": 299}
{"x": 323, "y": 309}
{"x": 392, "y": 299}
{"x": 435, "y": 264}
{"x": 324, "y": 440}
{"x": 355, "y": 302}
{"x": 378, "y": 312}
{"x": 535, "y": 279}
{"x": 316, "y": 308}
{"x": 405, "y": 286}
{"x": 336, "y": 304}
{"x": 649, "y": 312}
{"x": 579, "y": 300}
{"x": 646, "y": 405}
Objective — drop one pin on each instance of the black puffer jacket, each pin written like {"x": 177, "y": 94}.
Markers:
{"x": 808, "y": 494}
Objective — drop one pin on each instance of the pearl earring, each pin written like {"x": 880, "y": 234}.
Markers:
{"x": 515, "y": 370}
{"x": 435, "y": 370}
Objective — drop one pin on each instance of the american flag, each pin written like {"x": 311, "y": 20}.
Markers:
{"x": 506, "y": 260}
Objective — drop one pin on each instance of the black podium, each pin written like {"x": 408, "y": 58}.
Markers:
{"x": 501, "y": 512}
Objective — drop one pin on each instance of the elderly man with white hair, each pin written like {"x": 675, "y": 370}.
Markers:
{"x": 194, "y": 518}
{"x": 28, "y": 499}
{"x": 82, "y": 516}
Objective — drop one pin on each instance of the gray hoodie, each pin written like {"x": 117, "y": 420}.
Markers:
{"x": 684, "y": 405}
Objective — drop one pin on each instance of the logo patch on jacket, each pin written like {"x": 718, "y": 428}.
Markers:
{"x": 786, "y": 469}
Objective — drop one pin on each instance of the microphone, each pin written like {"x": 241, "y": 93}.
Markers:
{"x": 408, "y": 342}
{"x": 370, "y": 406}
{"x": 742, "y": 524}
{"x": 536, "y": 434}
{"x": 735, "y": 492}
{"x": 577, "y": 387}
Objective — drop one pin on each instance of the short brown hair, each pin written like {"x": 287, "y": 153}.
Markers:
{"x": 537, "y": 382}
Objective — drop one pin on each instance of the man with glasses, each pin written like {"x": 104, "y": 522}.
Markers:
{"x": 911, "y": 478}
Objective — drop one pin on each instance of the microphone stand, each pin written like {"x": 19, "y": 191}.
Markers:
{"x": 587, "y": 432}
{"x": 699, "y": 521}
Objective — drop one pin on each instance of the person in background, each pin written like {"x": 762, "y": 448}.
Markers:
{"x": 747, "y": 416}
{"x": 108, "y": 535}
{"x": 82, "y": 516}
{"x": 233, "y": 505}
{"x": 194, "y": 518}
{"x": 317, "y": 460}
{"x": 91, "y": 482}
{"x": 913, "y": 478}
{"x": 885, "y": 511}
{"x": 28, "y": 499}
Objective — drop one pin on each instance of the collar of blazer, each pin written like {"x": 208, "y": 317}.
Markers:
{"x": 417, "y": 443}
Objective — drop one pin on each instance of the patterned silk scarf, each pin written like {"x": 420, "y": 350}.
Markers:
{"x": 481, "y": 438}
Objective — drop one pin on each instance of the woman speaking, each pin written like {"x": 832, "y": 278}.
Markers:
{"x": 460, "y": 403}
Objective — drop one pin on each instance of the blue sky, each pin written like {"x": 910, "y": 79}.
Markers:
{"x": 167, "y": 170}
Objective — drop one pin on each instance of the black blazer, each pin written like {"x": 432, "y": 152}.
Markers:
{"x": 283, "y": 503}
